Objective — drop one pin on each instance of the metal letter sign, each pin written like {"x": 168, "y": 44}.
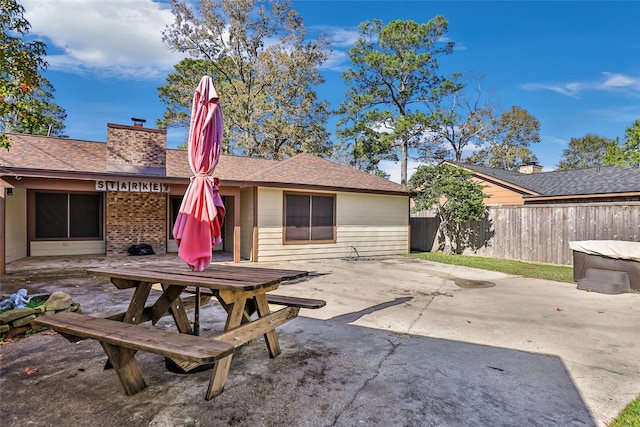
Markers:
{"x": 132, "y": 186}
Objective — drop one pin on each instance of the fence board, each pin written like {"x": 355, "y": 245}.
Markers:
{"x": 538, "y": 233}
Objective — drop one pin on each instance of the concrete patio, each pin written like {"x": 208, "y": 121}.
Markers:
{"x": 400, "y": 342}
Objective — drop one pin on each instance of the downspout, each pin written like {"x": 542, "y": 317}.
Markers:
{"x": 254, "y": 243}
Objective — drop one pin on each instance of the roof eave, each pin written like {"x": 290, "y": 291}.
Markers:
{"x": 87, "y": 176}
{"x": 325, "y": 188}
{"x": 581, "y": 196}
{"x": 496, "y": 180}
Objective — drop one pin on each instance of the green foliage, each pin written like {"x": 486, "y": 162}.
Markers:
{"x": 627, "y": 154}
{"x": 586, "y": 152}
{"x": 558, "y": 273}
{"x": 265, "y": 71}
{"x": 457, "y": 197}
{"x": 25, "y": 94}
{"x": 394, "y": 69}
{"x": 509, "y": 141}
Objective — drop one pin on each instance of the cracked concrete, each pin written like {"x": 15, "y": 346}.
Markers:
{"x": 399, "y": 343}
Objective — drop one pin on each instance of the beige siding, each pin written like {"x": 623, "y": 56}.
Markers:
{"x": 498, "y": 195}
{"x": 366, "y": 225}
{"x": 246, "y": 223}
{"x": 89, "y": 247}
{"x": 16, "y": 224}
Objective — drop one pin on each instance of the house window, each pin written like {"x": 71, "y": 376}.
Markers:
{"x": 68, "y": 216}
{"x": 309, "y": 218}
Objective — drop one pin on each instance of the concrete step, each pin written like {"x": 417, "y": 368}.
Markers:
{"x": 605, "y": 281}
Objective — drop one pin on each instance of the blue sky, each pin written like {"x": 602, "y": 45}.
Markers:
{"x": 574, "y": 65}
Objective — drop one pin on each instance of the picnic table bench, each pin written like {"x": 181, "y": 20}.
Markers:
{"x": 242, "y": 291}
{"x": 121, "y": 341}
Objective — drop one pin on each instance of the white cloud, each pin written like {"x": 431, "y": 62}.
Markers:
{"x": 342, "y": 39}
{"x": 457, "y": 46}
{"x": 338, "y": 60}
{"x": 554, "y": 140}
{"x": 340, "y": 36}
{"x": 611, "y": 82}
{"x": 116, "y": 38}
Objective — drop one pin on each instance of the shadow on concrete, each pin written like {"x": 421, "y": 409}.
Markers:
{"x": 330, "y": 373}
{"x": 352, "y": 317}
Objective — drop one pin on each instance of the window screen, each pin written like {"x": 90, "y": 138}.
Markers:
{"x": 309, "y": 217}
{"x": 68, "y": 216}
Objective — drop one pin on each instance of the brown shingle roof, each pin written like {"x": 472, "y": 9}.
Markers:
{"x": 304, "y": 170}
{"x": 49, "y": 153}
{"x": 308, "y": 170}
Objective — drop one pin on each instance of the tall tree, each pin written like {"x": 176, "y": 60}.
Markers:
{"x": 265, "y": 72}
{"x": 458, "y": 199}
{"x": 509, "y": 140}
{"x": 394, "y": 69}
{"x": 628, "y": 153}
{"x": 459, "y": 116}
{"x": 25, "y": 95}
{"x": 585, "y": 152}
{"x": 177, "y": 94}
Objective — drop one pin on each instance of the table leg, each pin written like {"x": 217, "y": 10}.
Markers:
{"x": 136, "y": 306}
{"x": 126, "y": 366}
{"x": 134, "y": 311}
{"x": 170, "y": 294}
{"x": 176, "y": 308}
{"x": 220, "y": 369}
{"x": 270, "y": 337}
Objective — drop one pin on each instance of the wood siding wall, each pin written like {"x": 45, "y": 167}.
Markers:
{"x": 16, "y": 220}
{"x": 499, "y": 195}
{"x": 246, "y": 223}
{"x": 372, "y": 225}
{"x": 539, "y": 233}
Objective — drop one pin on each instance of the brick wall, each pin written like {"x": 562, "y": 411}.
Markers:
{"x": 136, "y": 147}
{"x": 134, "y": 218}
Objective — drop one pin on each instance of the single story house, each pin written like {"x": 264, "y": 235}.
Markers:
{"x": 532, "y": 186}
{"x": 62, "y": 196}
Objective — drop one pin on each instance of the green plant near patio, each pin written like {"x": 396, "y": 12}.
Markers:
{"x": 629, "y": 417}
{"x": 31, "y": 304}
{"x": 558, "y": 273}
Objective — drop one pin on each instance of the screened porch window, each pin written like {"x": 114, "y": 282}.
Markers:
{"x": 309, "y": 218}
{"x": 68, "y": 216}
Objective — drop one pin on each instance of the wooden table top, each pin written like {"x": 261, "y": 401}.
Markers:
{"x": 220, "y": 277}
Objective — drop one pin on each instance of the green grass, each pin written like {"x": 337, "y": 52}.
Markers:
{"x": 629, "y": 417}
{"x": 559, "y": 273}
{"x": 31, "y": 304}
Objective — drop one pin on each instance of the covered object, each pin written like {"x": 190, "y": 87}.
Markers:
{"x": 612, "y": 255}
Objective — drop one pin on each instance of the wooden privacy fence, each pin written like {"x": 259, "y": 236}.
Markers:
{"x": 536, "y": 233}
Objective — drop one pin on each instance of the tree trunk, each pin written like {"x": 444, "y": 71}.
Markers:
{"x": 403, "y": 163}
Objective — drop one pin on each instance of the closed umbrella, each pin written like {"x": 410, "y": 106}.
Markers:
{"x": 199, "y": 222}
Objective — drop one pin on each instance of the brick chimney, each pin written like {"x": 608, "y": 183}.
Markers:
{"x": 531, "y": 167}
{"x": 136, "y": 149}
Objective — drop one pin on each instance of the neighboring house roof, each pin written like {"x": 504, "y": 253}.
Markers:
{"x": 603, "y": 180}
{"x": 60, "y": 157}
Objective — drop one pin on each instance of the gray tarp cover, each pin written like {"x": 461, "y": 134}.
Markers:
{"x": 610, "y": 248}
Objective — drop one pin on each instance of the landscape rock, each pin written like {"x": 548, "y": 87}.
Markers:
{"x": 23, "y": 321}
{"x": 11, "y": 315}
{"x": 58, "y": 301}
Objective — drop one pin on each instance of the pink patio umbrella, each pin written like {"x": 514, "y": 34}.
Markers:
{"x": 199, "y": 222}
{"x": 198, "y": 225}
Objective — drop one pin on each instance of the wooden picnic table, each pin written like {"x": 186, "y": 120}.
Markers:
{"x": 242, "y": 291}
